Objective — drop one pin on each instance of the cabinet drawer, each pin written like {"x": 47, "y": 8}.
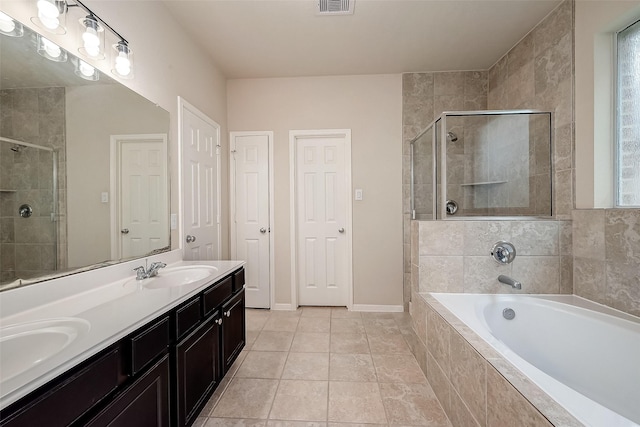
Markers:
{"x": 238, "y": 280}
{"x": 187, "y": 317}
{"x": 147, "y": 344}
{"x": 214, "y": 296}
{"x": 76, "y": 394}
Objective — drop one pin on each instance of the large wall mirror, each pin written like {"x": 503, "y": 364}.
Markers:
{"x": 83, "y": 166}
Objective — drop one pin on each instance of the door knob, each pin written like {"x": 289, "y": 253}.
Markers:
{"x": 340, "y": 230}
{"x": 191, "y": 239}
{"x": 125, "y": 231}
{"x": 263, "y": 230}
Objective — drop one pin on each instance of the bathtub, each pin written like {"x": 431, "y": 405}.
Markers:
{"x": 584, "y": 355}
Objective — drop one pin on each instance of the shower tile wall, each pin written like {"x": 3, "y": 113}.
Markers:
{"x": 537, "y": 73}
{"x": 34, "y": 115}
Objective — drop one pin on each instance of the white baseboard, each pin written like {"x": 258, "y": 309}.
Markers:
{"x": 378, "y": 308}
{"x": 283, "y": 307}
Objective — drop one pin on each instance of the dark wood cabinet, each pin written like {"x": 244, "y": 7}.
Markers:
{"x": 233, "y": 329}
{"x": 197, "y": 366}
{"x": 160, "y": 375}
{"x": 143, "y": 404}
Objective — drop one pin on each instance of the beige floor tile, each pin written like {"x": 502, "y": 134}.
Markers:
{"x": 351, "y": 367}
{"x": 298, "y": 400}
{"x": 255, "y": 319}
{"x": 380, "y": 326}
{"x": 310, "y": 342}
{"x": 376, "y": 315}
{"x": 343, "y": 313}
{"x": 273, "y": 341}
{"x": 234, "y": 422}
{"x": 357, "y": 402}
{"x": 388, "y": 344}
{"x": 354, "y": 425}
{"x": 397, "y": 368}
{"x": 324, "y": 312}
{"x": 246, "y": 398}
{"x": 200, "y": 422}
{"x": 314, "y": 324}
{"x": 281, "y": 323}
{"x": 287, "y": 313}
{"x": 307, "y": 366}
{"x": 349, "y": 343}
{"x": 278, "y": 423}
{"x": 251, "y": 338}
{"x": 412, "y": 404}
{"x": 347, "y": 326}
{"x": 263, "y": 364}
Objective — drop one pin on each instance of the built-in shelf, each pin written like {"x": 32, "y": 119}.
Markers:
{"x": 471, "y": 184}
{"x": 4, "y": 190}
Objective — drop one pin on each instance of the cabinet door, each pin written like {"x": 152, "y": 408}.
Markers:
{"x": 144, "y": 404}
{"x": 197, "y": 364}
{"x": 233, "y": 329}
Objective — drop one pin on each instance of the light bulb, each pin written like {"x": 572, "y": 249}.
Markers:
{"x": 47, "y": 10}
{"x": 52, "y": 49}
{"x": 49, "y": 23}
{"x": 90, "y": 38}
{"x": 7, "y": 25}
{"x": 123, "y": 64}
{"x": 86, "y": 69}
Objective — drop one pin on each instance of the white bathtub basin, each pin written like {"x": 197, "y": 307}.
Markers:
{"x": 178, "y": 276}
{"x": 25, "y": 345}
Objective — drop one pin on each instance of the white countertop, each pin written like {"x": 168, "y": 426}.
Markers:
{"x": 112, "y": 310}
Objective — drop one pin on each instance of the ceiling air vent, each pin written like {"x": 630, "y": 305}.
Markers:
{"x": 335, "y": 7}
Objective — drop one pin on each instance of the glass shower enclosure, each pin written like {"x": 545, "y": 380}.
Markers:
{"x": 483, "y": 163}
{"x": 28, "y": 210}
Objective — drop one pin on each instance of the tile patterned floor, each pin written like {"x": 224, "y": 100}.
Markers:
{"x": 323, "y": 367}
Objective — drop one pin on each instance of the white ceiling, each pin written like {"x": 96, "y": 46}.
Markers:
{"x": 285, "y": 38}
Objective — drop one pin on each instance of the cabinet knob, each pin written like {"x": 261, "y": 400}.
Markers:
{"x": 227, "y": 313}
{"x": 219, "y": 321}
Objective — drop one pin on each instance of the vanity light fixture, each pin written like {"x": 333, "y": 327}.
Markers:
{"x": 86, "y": 71}
{"x": 50, "y": 50}
{"x": 123, "y": 60}
{"x": 91, "y": 37}
{"x": 9, "y": 27}
{"x": 52, "y": 15}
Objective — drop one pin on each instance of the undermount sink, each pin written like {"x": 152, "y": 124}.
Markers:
{"x": 179, "y": 276}
{"x": 25, "y": 345}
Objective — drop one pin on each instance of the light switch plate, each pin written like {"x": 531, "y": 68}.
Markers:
{"x": 174, "y": 221}
{"x": 358, "y": 193}
{"x": 104, "y": 197}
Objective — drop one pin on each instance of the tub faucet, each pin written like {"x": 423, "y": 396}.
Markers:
{"x": 141, "y": 274}
{"x": 509, "y": 281}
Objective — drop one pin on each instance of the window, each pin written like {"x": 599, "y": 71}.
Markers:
{"x": 628, "y": 117}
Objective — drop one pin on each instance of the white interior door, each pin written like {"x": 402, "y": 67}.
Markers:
{"x": 251, "y": 225}
{"x": 323, "y": 220}
{"x": 140, "y": 191}
{"x": 200, "y": 140}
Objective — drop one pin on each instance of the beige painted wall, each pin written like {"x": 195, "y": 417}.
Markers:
{"x": 167, "y": 64}
{"x": 594, "y": 26}
{"x": 371, "y": 106}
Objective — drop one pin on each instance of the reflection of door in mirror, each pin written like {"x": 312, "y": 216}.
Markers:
{"x": 200, "y": 138}
{"x": 140, "y": 221}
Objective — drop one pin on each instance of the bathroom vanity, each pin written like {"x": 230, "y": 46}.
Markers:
{"x": 163, "y": 347}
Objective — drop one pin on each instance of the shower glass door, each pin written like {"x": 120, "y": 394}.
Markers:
{"x": 28, "y": 217}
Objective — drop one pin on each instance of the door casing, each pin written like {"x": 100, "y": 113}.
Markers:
{"x": 294, "y": 135}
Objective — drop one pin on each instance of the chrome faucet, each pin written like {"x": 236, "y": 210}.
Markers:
{"x": 509, "y": 281}
{"x": 142, "y": 274}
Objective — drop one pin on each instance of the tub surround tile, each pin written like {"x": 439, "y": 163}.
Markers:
{"x": 538, "y": 275}
{"x": 468, "y": 376}
{"x": 622, "y": 235}
{"x": 480, "y": 236}
{"x": 439, "y": 382}
{"x": 566, "y": 275}
{"x": 481, "y": 275}
{"x": 509, "y": 408}
{"x": 588, "y": 234}
{"x": 535, "y": 237}
{"x": 589, "y": 279}
{"x": 623, "y": 287}
{"x": 441, "y": 274}
{"x": 438, "y": 332}
{"x": 460, "y": 414}
{"x": 443, "y": 238}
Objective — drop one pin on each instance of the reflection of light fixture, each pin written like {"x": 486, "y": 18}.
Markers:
{"x": 86, "y": 71}
{"x": 51, "y": 16}
{"x": 9, "y": 27}
{"x": 92, "y": 37}
{"x": 50, "y": 50}
{"x": 123, "y": 61}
